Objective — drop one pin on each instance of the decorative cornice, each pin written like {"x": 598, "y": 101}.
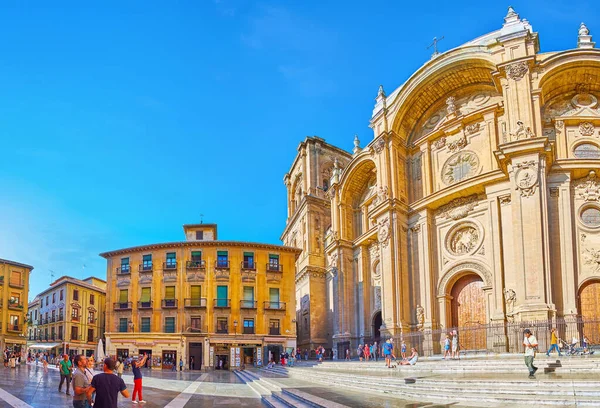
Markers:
{"x": 459, "y": 208}
{"x": 517, "y": 70}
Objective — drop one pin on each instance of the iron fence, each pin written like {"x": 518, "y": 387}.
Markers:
{"x": 505, "y": 336}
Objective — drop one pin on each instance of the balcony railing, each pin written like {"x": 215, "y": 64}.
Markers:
{"x": 222, "y": 330}
{"x": 60, "y": 318}
{"x": 145, "y": 305}
{"x": 15, "y": 305}
{"x": 197, "y": 302}
{"x": 16, "y": 283}
{"x": 249, "y": 265}
{"x": 145, "y": 268}
{"x": 169, "y": 303}
{"x": 43, "y": 321}
{"x": 221, "y": 303}
{"x": 75, "y": 318}
{"x": 274, "y": 331}
{"x": 53, "y": 319}
{"x": 14, "y": 327}
{"x": 274, "y": 305}
{"x": 274, "y": 267}
{"x": 122, "y": 306}
{"x": 1, "y": 280}
{"x": 195, "y": 264}
{"x": 248, "y": 330}
{"x": 221, "y": 264}
{"x": 248, "y": 304}
{"x": 124, "y": 270}
{"x": 170, "y": 266}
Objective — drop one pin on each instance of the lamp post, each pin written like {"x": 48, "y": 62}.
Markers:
{"x": 235, "y": 327}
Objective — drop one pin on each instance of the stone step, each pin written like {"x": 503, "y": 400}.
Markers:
{"x": 291, "y": 401}
{"x": 272, "y": 402}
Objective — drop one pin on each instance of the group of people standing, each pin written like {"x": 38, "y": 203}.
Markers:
{"x": 366, "y": 352}
{"x": 451, "y": 346}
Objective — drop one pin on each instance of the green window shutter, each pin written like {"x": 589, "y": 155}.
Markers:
{"x": 171, "y": 255}
{"x": 248, "y": 293}
{"x": 272, "y": 256}
{"x": 248, "y": 253}
{"x": 146, "y": 294}
{"x": 124, "y": 261}
{"x": 196, "y": 255}
{"x": 274, "y": 295}
{"x": 221, "y": 253}
{"x": 221, "y": 292}
{"x": 123, "y": 295}
{"x": 170, "y": 292}
{"x": 147, "y": 258}
{"x": 196, "y": 291}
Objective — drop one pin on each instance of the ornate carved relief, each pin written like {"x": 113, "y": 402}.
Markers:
{"x": 554, "y": 192}
{"x": 416, "y": 228}
{"x": 510, "y": 297}
{"x": 504, "y": 200}
{"x": 457, "y": 143}
{"x": 460, "y": 166}
{"x": 592, "y": 257}
{"x": 451, "y": 105}
{"x": 463, "y": 239}
{"x": 588, "y": 188}
{"x": 517, "y": 70}
{"x": 383, "y": 232}
{"x": 377, "y": 305}
{"x": 458, "y": 208}
{"x": 333, "y": 258}
{"x": 379, "y": 145}
{"x": 420, "y": 314}
{"x": 586, "y": 129}
{"x": 526, "y": 178}
{"x": 469, "y": 266}
{"x": 521, "y": 132}
{"x": 374, "y": 251}
{"x": 472, "y": 128}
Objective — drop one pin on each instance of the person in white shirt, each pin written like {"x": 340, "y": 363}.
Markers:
{"x": 530, "y": 343}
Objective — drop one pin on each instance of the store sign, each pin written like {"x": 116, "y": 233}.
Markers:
{"x": 259, "y": 356}
{"x": 237, "y": 357}
{"x": 232, "y": 357}
{"x": 212, "y": 356}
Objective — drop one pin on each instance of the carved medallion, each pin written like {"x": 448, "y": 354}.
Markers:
{"x": 459, "y": 167}
{"x": 463, "y": 240}
{"x": 473, "y": 128}
{"x": 517, "y": 70}
{"x": 526, "y": 178}
{"x": 383, "y": 232}
{"x": 458, "y": 208}
{"x": 588, "y": 188}
{"x": 379, "y": 145}
{"x": 586, "y": 129}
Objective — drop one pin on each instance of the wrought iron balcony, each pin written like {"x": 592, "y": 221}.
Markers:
{"x": 169, "y": 303}
{"x": 274, "y": 331}
{"x": 248, "y": 265}
{"x": 124, "y": 270}
{"x": 195, "y": 264}
{"x": 222, "y": 330}
{"x": 75, "y": 318}
{"x": 271, "y": 267}
{"x": 248, "y": 304}
{"x": 221, "y": 264}
{"x": 221, "y": 303}
{"x": 145, "y": 305}
{"x": 248, "y": 330}
{"x": 14, "y": 327}
{"x": 122, "y": 306}
{"x": 16, "y": 283}
{"x": 170, "y": 266}
{"x": 146, "y": 268}
{"x": 15, "y": 305}
{"x": 53, "y": 319}
{"x": 60, "y": 318}
{"x": 274, "y": 306}
{"x": 197, "y": 302}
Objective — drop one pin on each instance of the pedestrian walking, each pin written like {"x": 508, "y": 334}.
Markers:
{"x": 375, "y": 351}
{"x": 530, "y": 343}
{"x": 65, "y": 368}
{"x": 180, "y": 364}
{"x": 447, "y": 346}
{"x": 107, "y": 387}
{"x": 347, "y": 354}
{"x": 81, "y": 383}
{"x": 387, "y": 353}
{"x": 137, "y": 379}
{"x": 553, "y": 343}
{"x": 119, "y": 367}
{"x": 192, "y": 363}
{"x": 360, "y": 352}
{"x": 455, "y": 346}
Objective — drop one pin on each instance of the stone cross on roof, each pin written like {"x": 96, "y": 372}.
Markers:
{"x": 434, "y": 45}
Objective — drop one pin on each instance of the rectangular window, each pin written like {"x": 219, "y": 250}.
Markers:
{"x": 35, "y": 314}
{"x": 42, "y": 302}
{"x": 60, "y": 314}
{"x": 248, "y": 301}
{"x": 273, "y": 327}
{"x": 147, "y": 262}
{"x": 145, "y": 325}
{"x": 90, "y": 337}
{"x": 196, "y": 291}
{"x": 75, "y": 295}
{"x": 61, "y": 295}
{"x": 196, "y": 256}
{"x": 54, "y": 298}
{"x": 249, "y": 260}
{"x": 75, "y": 314}
{"x": 123, "y": 325}
{"x": 14, "y": 322}
{"x": 222, "y": 259}
{"x": 274, "y": 298}
{"x": 125, "y": 265}
{"x": 222, "y": 325}
{"x": 273, "y": 262}
{"x": 123, "y": 296}
{"x": 248, "y": 326}
{"x": 171, "y": 260}
{"x": 169, "y": 325}
{"x": 91, "y": 318}
{"x": 53, "y": 315}
{"x": 146, "y": 298}
{"x": 196, "y": 323}
{"x": 75, "y": 332}
{"x": 60, "y": 332}
{"x": 199, "y": 235}
{"x": 92, "y": 299}
{"x": 16, "y": 278}
{"x": 48, "y": 300}
{"x": 222, "y": 296}
{"x": 170, "y": 292}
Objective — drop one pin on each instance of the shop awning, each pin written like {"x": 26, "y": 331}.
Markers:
{"x": 44, "y": 345}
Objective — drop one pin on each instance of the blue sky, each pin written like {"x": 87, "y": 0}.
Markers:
{"x": 121, "y": 122}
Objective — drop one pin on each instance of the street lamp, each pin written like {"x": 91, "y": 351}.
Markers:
{"x": 235, "y": 327}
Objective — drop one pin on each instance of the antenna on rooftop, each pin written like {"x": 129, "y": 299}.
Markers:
{"x": 434, "y": 45}
{"x": 51, "y": 275}
{"x": 201, "y": 217}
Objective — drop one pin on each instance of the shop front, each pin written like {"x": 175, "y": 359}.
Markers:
{"x": 232, "y": 356}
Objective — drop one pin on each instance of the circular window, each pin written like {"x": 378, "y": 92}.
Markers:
{"x": 460, "y": 166}
{"x": 587, "y": 151}
{"x": 591, "y": 217}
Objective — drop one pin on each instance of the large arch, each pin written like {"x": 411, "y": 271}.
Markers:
{"x": 462, "y": 67}
{"x": 456, "y": 272}
{"x": 466, "y": 312}
{"x": 588, "y": 304}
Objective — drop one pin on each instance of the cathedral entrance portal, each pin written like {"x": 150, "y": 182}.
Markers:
{"x": 589, "y": 308}
{"x": 468, "y": 312}
{"x": 377, "y": 322}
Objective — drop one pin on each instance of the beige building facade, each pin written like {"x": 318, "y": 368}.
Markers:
{"x": 477, "y": 202}
{"x": 14, "y": 286}
{"x": 206, "y": 302}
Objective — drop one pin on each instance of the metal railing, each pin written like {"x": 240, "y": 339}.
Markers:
{"x": 147, "y": 268}
{"x": 249, "y": 265}
{"x": 145, "y": 305}
{"x": 221, "y": 303}
{"x": 75, "y": 318}
{"x": 14, "y": 327}
{"x": 506, "y": 336}
{"x": 274, "y": 267}
{"x": 169, "y": 303}
{"x": 198, "y": 264}
{"x": 197, "y": 302}
{"x": 274, "y": 331}
{"x": 248, "y": 304}
{"x": 248, "y": 330}
{"x": 122, "y": 305}
{"x": 170, "y": 266}
{"x": 124, "y": 270}
{"x": 221, "y": 264}
{"x": 274, "y": 305}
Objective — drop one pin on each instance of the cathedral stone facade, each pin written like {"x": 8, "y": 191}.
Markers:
{"x": 476, "y": 203}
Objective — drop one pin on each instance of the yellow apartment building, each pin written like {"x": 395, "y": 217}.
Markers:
{"x": 14, "y": 282}
{"x": 210, "y": 303}
{"x": 68, "y": 317}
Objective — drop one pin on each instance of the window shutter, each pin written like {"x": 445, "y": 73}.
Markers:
{"x": 170, "y": 292}
{"x": 123, "y": 295}
{"x": 196, "y": 292}
{"x": 146, "y": 293}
